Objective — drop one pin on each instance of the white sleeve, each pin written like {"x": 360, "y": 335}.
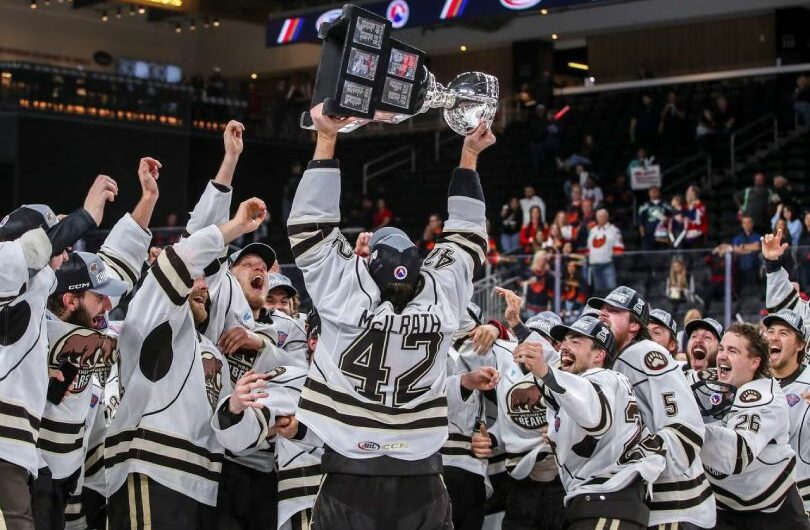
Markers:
{"x": 583, "y": 400}
{"x": 780, "y": 294}
{"x": 247, "y": 433}
{"x": 124, "y": 251}
{"x": 213, "y": 208}
{"x": 14, "y": 258}
{"x": 732, "y": 446}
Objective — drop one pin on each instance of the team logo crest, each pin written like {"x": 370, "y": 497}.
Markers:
{"x": 398, "y": 12}
{"x": 518, "y": 5}
{"x": 793, "y": 399}
{"x": 655, "y": 360}
{"x": 525, "y": 405}
{"x": 400, "y": 273}
{"x": 87, "y": 349}
{"x": 750, "y": 396}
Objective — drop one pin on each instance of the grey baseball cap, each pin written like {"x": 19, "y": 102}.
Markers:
{"x": 788, "y": 317}
{"x": 276, "y": 280}
{"x": 25, "y": 218}
{"x": 87, "y": 271}
{"x": 543, "y": 322}
{"x": 265, "y": 252}
{"x": 590, "y": 327}
{"x": 705, "y": 323}
{"x": 625, "y": 298}
{"x": 659, "y": 316}
{"x": 393, "y": 237}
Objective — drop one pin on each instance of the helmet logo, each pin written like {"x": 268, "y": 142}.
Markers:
{"x": 400, "y": 273}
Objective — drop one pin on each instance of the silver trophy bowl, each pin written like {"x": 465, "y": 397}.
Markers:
{"x": 468, "y": 99}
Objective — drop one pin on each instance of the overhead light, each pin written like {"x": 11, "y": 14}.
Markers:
{"x": 141, "y": 10}
{"x": 118, "y": 13}
{"x": 178, "y": 28}
{"x": 47, "y": 3}
{"x": 216, "y": 22}
{"x": 192, "y": 25}
{"x": 554, "y": 36}
{"x": 104, "y": 17}
{"x": 33, "y": 4}
{"x": 578, "y": 66}
{"x": 463, "y": 48}
{"x": 544, "y": 12}
{"x": 206, "y": 22}
{"x": 254, "y": 76}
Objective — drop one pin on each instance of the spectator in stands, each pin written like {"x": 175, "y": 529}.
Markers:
{"x": 697, "y": 220}
{"x": 801, "y": 100}
{"x": 511, "y": 223}
{"x": 383, "y": 216}
{"x": 619, "y": 200}
{"x": 724, "y": 116}
{"x": 604, "y": 240}
{"x": 673, "y": 121}
{"x": 680, "y": 285}
{"x": 529, "y": 200}
{"x": 591, "y": 191}
{"x": 545, "y": 140}
{"x": 525, "y": 97}
{"x": 641, "y": 160}
{"x": 431, "y": 234}
{"x": 803, "y": 254}
{"x": 787, "y": 212}
{"x": 587, "y": 222}
{"x": 715, "y": 288}
{"x": 560, "y": 232}
{"x": 574, "y": 208}
{"x": 652, "y": 220}
{"x": 787, "y": 259}
{"x": 538, "y": 286}
{"x": 585, "y": 155}
{"x": 574, "y": 291}
{"x": 706, "y": 127}
{"x": 756, "y": 202}
{"x": 644, "y": 123}
{"x": 530, "y": 231}
{"x": 746, "y": 246}
{"x": 169, "y": 233}
{"x": 783, "y": 189}
{"x": 676, "y": 225}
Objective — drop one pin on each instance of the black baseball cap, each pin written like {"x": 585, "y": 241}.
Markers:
{"x": 543, "y": 322}
{"x": 590, "y": 327}
{"x": 26, "y": 217}
{"x": 788, "y": 317}
{"x": 86, "y": 271}
{"x": 624, "y": 297}
{"x": 394, "y": 258}
{"x": 659, "y": 316}
{"x": 276, "y": 280}
{"x": 705, "y": 323}
{"x": 265, "y": 252}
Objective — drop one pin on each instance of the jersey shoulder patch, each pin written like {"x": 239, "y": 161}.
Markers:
{"x": 757, "y": 393}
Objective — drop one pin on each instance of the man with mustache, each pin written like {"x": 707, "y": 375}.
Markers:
{"x": 785, "y": 333}
{"x": 704, "y": 339}
{"x": 746, "y": 452}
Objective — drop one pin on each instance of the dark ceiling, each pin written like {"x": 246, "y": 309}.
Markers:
{"x": 257, "y": 10}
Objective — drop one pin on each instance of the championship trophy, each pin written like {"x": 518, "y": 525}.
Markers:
{"x": 365, "y": 75}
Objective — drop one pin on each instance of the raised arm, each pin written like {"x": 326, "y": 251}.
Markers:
{"x": 32, "y": 250}
{"x": 583, "y": 400}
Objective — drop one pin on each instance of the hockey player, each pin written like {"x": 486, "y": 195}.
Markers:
{"x": 375, "y": 392}
{"x": 292, "y": 338}
{"x": 681, "y": 496}
{"x": 786, "y": 351}
{"x": 605, "y": 457}
{"x": 704, "y": 339}
{"x": 780, "y": 293}
{"x": 746, "y": 453}
{"x": 162, "y": 458}
{"x": 664, "y": 331}
{"x": 32, "y": 247}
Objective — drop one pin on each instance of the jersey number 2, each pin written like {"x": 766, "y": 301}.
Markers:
{"x": 364, "y": 360}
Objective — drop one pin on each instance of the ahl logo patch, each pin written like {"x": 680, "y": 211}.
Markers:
{"x": 655, "y": 360}
{"x": 793, "y": 399}
{"x": 400, "y": 273}
{"x": 750, "y": 396}
{"x": 282, "y": 338}
{"x": 275, "y": 372}
{"x": 715, "y": 399}
{"x": 368, "y": 446}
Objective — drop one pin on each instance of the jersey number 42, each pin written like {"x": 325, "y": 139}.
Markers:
{"x": 365, "y": 360}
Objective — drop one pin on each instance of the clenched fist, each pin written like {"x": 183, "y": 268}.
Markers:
{"x": 233, "y": 138}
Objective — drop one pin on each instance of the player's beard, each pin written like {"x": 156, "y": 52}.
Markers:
{"x": 197, "y": 303}
{"x": 81, "y": 317}
{"x": 399, "y": 294}
{"x": 255, "y": 289}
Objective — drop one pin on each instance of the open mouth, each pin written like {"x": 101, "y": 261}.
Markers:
{"x": 775, "y": 351}
{"x": 723, "y": 369}
{"x": 199, "y": 299}
{"x": 567, "y": 360}
{"x": 100, "y": 322}
{"x": 257, "y": 282}
{"x": 698, "y": 354}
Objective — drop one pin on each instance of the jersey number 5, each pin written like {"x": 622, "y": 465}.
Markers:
{"x": 364, "y": 360}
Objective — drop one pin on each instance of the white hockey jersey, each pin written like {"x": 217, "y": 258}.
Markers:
{"x": 377, "y": 381}
{"x": 793, "y": 387}
{"x": 669, "y": 410}
{"x": 780, "y": 294}
{"x": 299, "y": 461}
{"x": 463, "y": 416}
{"x": 168, "y": 372}
{"x": 597, "y": 433}
{"x": 522, "y": 415}
{"x": 23, "y": 347}
{"x": 746, "y": 455}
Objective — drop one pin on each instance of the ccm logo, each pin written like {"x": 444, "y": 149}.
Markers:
{"x": 374, "y": 446}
